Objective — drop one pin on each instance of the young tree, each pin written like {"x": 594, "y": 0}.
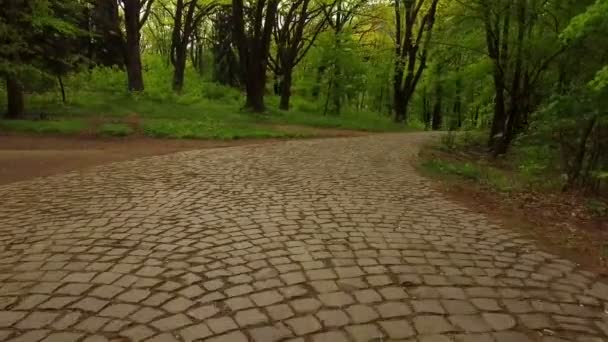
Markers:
{"x": 136, "y": 13}
{"x": 253, "y": 25}
{"x": 413, "y": 29}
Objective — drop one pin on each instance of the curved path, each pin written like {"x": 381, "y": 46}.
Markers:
{"x": 326, "y": 240}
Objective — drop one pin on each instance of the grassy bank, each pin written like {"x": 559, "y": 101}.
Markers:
{"x": 210, "y": 116}
{"x": 512, "y": 189}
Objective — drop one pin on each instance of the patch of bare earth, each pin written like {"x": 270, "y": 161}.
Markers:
{"x": 24, "y": 157}
{"x": 561, "y": 222}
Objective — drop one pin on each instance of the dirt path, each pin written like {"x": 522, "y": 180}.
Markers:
{"x": 319, "y": 240}
{"x": 25, "y": 157}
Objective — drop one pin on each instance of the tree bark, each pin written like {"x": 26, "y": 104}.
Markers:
{"x": 108, "y": 45}
{"x": 179, "y": 68}
{"x": 253, "y": 45}
{"x": 286, "y": 90}
{"x": 411, "y": 50}
{"x": 15, "y": 98}
{"x": 133, "y": 53}
{"x": 437, "y": 109}
{"x": 62, "y": 88}
{"x": 255, "y": 94}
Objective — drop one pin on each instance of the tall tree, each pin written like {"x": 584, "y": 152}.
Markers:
{"x": 293, "y": 18}
{"x": 136, "y": 13}
{"x": 225, "y": 61}
{"x": 339, "y": 15}
{"x": 187, "y": 17}
{"x": 413, "y": 30}
{"x": 253, "y": 25}
{"x": 107, "y": 43}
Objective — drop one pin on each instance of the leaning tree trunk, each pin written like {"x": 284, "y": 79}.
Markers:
{"x": 133, "y": 54}
{"x": 14, "y": 93}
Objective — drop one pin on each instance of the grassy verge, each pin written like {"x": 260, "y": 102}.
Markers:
{"x": 203, "y": 117}
{"x": 571, "y": 224}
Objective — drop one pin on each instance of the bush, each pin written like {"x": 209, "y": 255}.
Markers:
{"x": 214, "y": 91}
{"x": 115, "y": 130}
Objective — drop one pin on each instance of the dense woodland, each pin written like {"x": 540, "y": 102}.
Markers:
{"x": 533, "y": 74}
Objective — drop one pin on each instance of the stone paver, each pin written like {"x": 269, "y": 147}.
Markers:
{"x": 326, "y": 240}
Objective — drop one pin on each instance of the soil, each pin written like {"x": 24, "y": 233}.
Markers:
{"x": 560, "y": 222}
{"x": 23, "y": 157}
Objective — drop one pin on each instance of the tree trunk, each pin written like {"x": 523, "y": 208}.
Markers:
{"x": 458, "y": 104}
{"x": 179, "y": 69}
{"x": 108, "y": 46}
{"x": 15, "y": 98}
{"x": 426, "y": 113}
{"x": 133, "y": 53}
{"x": 498, "y": 122}
{"x": 437, "y": 115}
{"x": 255, "y": 95}
{"x": 286, "y": 89}
{"x": 398, "y": 93}
{"x": 400, "y": 105}
{"x": 62, "y": 88}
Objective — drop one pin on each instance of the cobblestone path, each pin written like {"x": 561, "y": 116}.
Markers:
{"x": 325, "y": 241}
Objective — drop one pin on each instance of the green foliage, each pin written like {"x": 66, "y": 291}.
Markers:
{"x": 66, "y": 127}
{"x": 585, "y": 23}
{"x": 203, "y": 110}
{"x": 477, "y": 173}
{"x": 465, "y": 170}
{"x": 363, "y": 121}
{"x": 598, "y": 208}
{"x": 115, "y": 130}
{"x": 455, "y": 140}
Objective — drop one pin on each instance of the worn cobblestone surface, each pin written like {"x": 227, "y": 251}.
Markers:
{"x": 326, "y": 240}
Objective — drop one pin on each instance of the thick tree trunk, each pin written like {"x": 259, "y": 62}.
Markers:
{"x": 15, "y": 98}
{"x": 286, "y": 90}
{"x": 255, "y": 95}
{"x": 133, "y": 53}
{"x": 179, "y": 69}
{"x": 400, "y": 105}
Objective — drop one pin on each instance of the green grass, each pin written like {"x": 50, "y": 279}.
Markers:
{"x": 63, "y": 127}
{"x": 115, "y": 130}
{"x": 215, "y": 114}
{"x": 475, "y": 172}
{"x": 360, "y": 121}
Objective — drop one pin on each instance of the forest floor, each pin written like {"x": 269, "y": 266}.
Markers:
{"x": 570, "y": 224}
{"x": 26, "y": 156}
